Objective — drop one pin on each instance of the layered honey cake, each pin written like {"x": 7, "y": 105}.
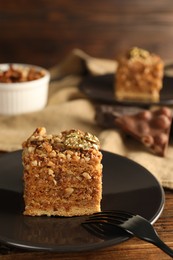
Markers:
{"x": 62, "y": 173}
{"x": 139, "y": 76}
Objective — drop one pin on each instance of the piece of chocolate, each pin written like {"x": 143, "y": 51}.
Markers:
{"x": 149, "y": 126}
{"x": 106, "y": 114}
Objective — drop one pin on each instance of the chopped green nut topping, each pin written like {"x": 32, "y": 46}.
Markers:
{"x": 138, "y": 53}
{"x": 78, "y": 140}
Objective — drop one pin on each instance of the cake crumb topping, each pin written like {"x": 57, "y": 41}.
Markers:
{"x": 72, "y": 139}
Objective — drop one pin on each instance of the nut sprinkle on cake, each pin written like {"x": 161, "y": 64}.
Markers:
{"x": 62, "y": 173}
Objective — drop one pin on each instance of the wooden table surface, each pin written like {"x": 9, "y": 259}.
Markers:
{"x": 43, "y": 32}
{"x": 133, "y": 249}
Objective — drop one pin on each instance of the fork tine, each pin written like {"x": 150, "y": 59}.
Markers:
{"x": 103, "y": 230}
{"x": 119, "y": 213}
{"x": 95, "y": 229}
{"x": 116, "y": 216}
{"x": 105, "y": 219}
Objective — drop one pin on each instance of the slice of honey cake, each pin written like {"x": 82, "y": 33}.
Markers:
{"x": 62, "y": 173}
{"x": 139, "y": 76}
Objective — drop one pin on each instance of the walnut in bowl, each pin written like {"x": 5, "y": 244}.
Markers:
{"x": 23, "y": 88}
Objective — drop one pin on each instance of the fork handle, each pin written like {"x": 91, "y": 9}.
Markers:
{"x": 160, "y": 244}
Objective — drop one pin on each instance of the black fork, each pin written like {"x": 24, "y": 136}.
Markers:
{"x": 135, "y": 225}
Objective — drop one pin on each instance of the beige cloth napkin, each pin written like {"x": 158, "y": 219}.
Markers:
{"x": 68, "y": 108}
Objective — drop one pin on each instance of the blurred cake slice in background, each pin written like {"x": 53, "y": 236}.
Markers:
{"x": 139, "y": 76}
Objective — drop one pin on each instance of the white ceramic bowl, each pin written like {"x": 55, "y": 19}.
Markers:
{"x": 23, "y": 97}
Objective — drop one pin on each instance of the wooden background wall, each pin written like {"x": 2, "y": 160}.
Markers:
{"x": 42, "y": 32}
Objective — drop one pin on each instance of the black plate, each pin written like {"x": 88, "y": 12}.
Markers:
{"x": 126, "y": 186}
{"x": 101, "y": 88}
